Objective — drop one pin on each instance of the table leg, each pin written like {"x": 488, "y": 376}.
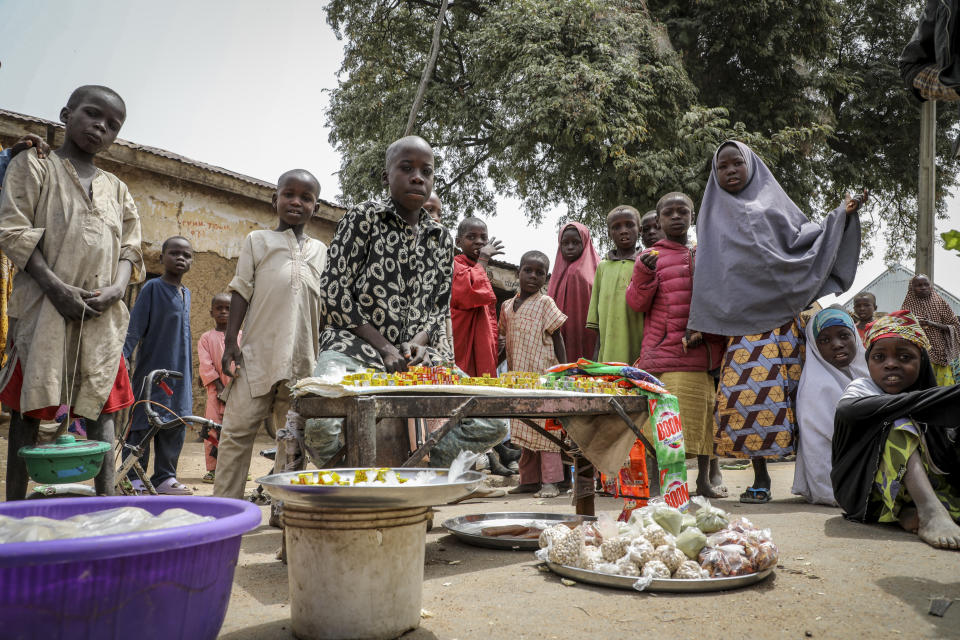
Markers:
{"x": 367, "y": 432}
{"x": 584, "y": 486}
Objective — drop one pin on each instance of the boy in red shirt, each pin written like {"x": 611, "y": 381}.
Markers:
{"x": 473, "y": 304}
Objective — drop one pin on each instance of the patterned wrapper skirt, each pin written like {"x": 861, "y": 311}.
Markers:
{"x": 755, "y": 411}
{"x": 888, "y": 488}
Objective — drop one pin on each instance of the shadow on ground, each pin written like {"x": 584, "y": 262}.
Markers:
{"x": 840, "y": 527}
{"x": 282, "y": 629}
{"x": 263, "y": 539}
{"x": 276, "y": 629}
{"x": 918, "y": 592}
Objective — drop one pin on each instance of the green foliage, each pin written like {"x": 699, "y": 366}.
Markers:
{"x": 951, "y": 240}
{"x": 592, "y": 103}
{"x": 826, "y": 65}
{"x": 579, "y": 102}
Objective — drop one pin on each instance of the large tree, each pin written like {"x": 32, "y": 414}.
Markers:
{"x": 591, "y": 103}
{"x": 776, "y": 63}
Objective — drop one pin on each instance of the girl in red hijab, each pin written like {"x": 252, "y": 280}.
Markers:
{"x": 570, "y": 287}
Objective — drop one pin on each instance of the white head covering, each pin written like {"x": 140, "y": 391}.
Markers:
{"x": 760, "y": 261}
{"x": 821, "y": 385}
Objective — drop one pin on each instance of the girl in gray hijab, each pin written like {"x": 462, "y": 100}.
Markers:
{"x": 760, "y": 262}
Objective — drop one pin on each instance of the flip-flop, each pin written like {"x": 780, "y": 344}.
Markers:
{"x": 734, "y": 466}
{"x": 755, "y": 496}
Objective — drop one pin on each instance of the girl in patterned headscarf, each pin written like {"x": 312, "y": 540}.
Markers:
{"x": 835, "y": 357}
{"x": 895, "y": 456}
{"x": 940, "y": 324}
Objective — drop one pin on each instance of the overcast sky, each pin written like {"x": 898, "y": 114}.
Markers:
{"x": 240, "y": 84}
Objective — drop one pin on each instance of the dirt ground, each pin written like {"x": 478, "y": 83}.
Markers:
{"x": 836, "y": 579}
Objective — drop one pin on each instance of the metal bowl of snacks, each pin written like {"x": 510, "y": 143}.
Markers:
{"x": 385, "y": 488}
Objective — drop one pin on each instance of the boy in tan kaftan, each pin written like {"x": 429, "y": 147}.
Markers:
{"x": 73, "y": 232}
{"x": 276, "y": 298}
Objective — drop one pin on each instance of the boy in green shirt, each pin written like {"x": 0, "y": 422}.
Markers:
{"x": 620, "y": 328}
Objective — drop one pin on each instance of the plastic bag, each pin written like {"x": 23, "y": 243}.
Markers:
{"x": 669, "y": 518}
{"x": 642, "y": 517}
{"x": 709, "y": 518}
{"x": 656, "y": 536}
{"x": 96, "y": 523}
{"x": 655, "y": 569}
{"x": 614, "y": 548}
{"x": 642, "y": 582}
{"x": 461, "y": 464}
{"x": 690, "y": 570}
{"x": 670, "y": 556}
{"x": 691, "y": 541}
{"x": 606, "y": 526}
{"x": 726, "y": 560}
{"x": 689, "y": 520}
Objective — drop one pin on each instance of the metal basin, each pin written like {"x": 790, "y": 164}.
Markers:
{"x": 439, "y": 491}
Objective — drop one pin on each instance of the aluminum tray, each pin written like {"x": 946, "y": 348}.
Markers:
{"x": 376, "y": 497}
{"x": 467, "y": 528}
{"x": 663, "y": 585}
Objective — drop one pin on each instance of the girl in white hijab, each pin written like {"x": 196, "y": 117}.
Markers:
{"x": 835, "y": 357}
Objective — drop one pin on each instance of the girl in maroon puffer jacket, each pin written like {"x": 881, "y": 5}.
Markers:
{"x": 661, "y": 288}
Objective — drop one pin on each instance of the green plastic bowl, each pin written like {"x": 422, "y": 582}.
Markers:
{"x": 64, "y": 461}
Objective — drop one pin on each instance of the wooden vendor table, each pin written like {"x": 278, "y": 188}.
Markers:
{"x": 363, "y": 413}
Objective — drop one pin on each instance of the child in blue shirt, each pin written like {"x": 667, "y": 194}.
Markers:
{"x": 160, "y": 327}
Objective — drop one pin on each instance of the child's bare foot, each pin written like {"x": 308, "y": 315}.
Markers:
{"x": 909, "y": 519}
{"x": 707, "y": 491}
{"x": 524, "y": 488}
{"x": 939, "y": 531}
{"x": 547, "y": 491}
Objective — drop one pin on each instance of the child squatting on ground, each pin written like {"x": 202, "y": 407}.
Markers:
{"x": 530, "y": 322}
{"x": 835, "y": 357}
{"x": 894, "y": 456}
{"x": 73, "y": 232}
{"x": 212, "y": 380}
{"x": 661, "y": 288}
{"x": 276, "y": 299}
{"x": 386, "y": 293}
{"x": 159, "y": 333}
{"x": 760, "y": 262}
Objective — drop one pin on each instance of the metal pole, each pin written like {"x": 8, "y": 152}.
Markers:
{"x": 927, "y": 188}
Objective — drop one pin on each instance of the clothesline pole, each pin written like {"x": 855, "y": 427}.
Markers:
{"x": 926, "y": 195}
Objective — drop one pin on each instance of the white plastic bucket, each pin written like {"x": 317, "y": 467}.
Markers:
{"x": 355, "y": 573}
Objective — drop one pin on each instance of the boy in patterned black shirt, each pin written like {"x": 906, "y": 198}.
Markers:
{"x": 386, "y": 285}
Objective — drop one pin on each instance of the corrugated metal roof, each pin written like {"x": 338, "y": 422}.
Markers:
{"x": 163, "y": 153}
{"x": 890, "y": 288}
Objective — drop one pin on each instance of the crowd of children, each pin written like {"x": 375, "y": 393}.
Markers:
{"x": 719, "y": 321}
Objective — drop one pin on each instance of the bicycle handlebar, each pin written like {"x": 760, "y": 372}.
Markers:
{"x": 156, "y": 377}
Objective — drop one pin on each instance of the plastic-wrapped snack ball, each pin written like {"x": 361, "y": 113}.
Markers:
{"x": 614, "y": 548}
{"x": 657, "y": 535}
{"x": 626, "y": 567}
{"x": 655, "y": 569}
{"x": 605, "y": 567}
{"x": 641, "y": 552}
{"x": 690, "y": 570}
{"x": 552, "y": 534}
{"x": 671, "y": 556}
{"x": 590, "y": 558}
{"x": 568, "y": 549}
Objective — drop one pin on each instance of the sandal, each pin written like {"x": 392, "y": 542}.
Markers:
{"x": 210, "y": 478}
{"x": 755, "y": 496}
{"x": 171, "y": 487}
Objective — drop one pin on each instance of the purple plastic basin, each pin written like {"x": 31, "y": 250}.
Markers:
{"x": 166, "y": 584}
